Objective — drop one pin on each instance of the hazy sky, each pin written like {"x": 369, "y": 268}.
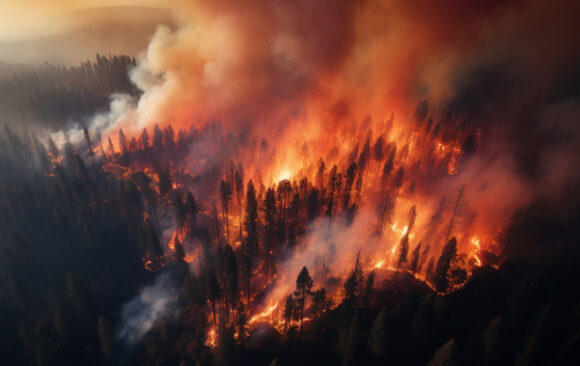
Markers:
{"x": 23, "y": 18}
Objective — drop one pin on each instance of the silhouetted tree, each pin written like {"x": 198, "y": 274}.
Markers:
{"x": 164, "y": 178}
{"x": 398, "y": 179}
{"x": 353, "y": 340}
{"x": 353, "y": 284}
{"x": 491, "y": 341}
{"x": 379, "y": 149}
{"x": 333, "y": 186}
{"x": 388, "y": 167}
{"x": 242, "y": 322}
{"x": 231, "y": 279}
{"x": 251, "y": 219}
{"x": 191, "y": 210}
{"x": 213, "y": 291}
{"x": 179, "y": 254}
{"x": 368, "y": 289}
{"x": 404, "y": 244}
{"x": 226, "y": 196}
{"x": 455, "y": 210}
{"x": 106, "y": 337}
{"x": 364, "y": 156}
{"x": 78, "y": 294}
{"x": 313, "y": 203}
{"x": 415, "y": 258}
{"x": 59, "y": 317}
{"x": 444, "y": 356}
{"x": 440, "y": 279}
{"x": 144, "y": 138}
{"x": 149, "y": 239}
{"x": 18, "y": 294}
{"x": 351, "y": 173}
{"x": 377, "y": 337}
{"x": 225, "y": 352}
{"x": 385, "y": 213}
{"x": 289, "y": 310}
{"x": 319, "y": 302}
{"x": 239, "y": 189}
{"x": 320, "y": 175}
{"x": 304, "y": 284}
{"x": 270, "y": 227}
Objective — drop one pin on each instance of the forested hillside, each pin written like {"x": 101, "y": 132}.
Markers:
{"x": 51, "y": 96}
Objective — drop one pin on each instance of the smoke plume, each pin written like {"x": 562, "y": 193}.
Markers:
{"x": 154, "y": 302}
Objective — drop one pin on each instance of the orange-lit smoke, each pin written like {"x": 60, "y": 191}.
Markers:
{"x": 296, "y": 82}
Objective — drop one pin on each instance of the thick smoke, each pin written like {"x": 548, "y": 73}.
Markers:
{"x": 294, "y": 81}
{"x": 119, "y": 115}
{"x": 285, "y": 70}
{"x": 301, "y": 76}
{"x": 154, "y": 302}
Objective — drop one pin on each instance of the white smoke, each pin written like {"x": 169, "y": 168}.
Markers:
{"x": 154, "y": 302}
{"x": 120, "y": 115}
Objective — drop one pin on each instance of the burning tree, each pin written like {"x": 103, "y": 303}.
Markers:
{"x": 229, "y": 181}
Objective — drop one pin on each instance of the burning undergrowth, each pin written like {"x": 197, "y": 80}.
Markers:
{"x": 383, "y": 205}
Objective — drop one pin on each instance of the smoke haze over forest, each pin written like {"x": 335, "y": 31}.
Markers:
{"x": 271, "y": 182}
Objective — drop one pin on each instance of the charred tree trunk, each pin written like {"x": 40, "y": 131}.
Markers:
{"x": 455, "y": 208}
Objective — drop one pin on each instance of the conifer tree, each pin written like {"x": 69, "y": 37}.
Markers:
{"x": 251, "y": 222}
{"x": 179, "y": 254}
{"x": 415, "y": 258}
{"x": 440, "y": 278}
{"x": 213, "y": 291}
{"x": 404, "y": 245}
{"x": 106, "y": 337}
{"x": 304, "y": 284}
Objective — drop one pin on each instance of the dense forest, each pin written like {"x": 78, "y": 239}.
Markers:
{"x": 52, "y": 96}
{"x": 87, "y": 257}
{"x": 219, "y": 183}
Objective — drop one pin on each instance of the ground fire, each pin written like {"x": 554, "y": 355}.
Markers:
{"x": 390, "y": 190}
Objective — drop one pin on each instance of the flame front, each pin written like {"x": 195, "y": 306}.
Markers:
{"x": 321, "y": 159}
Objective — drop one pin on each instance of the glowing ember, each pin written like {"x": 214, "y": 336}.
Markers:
{"x": 189, "y": 258}
{"x": 211, "y": 337}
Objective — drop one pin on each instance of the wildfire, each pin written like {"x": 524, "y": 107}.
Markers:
{"x": 153, "y": 264}
{"x": 401, "y": 231}
{"x": 211, "y": 337}
{"x": 353, "y": 175}
{"x": 379, "y": 264}
{"x": 452, "y": 165}
{"x": 285, "y": 174}
{"x": 264, "y": 315}
{"x": 189, "y": 258}
{"x": 171, "y": 243}
{"x": 475, "y": 243}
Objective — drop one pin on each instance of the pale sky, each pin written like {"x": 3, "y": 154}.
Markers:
{"x": 20, "y": 18}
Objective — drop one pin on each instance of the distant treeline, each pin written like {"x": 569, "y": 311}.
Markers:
{"x": 52, "y": 96}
